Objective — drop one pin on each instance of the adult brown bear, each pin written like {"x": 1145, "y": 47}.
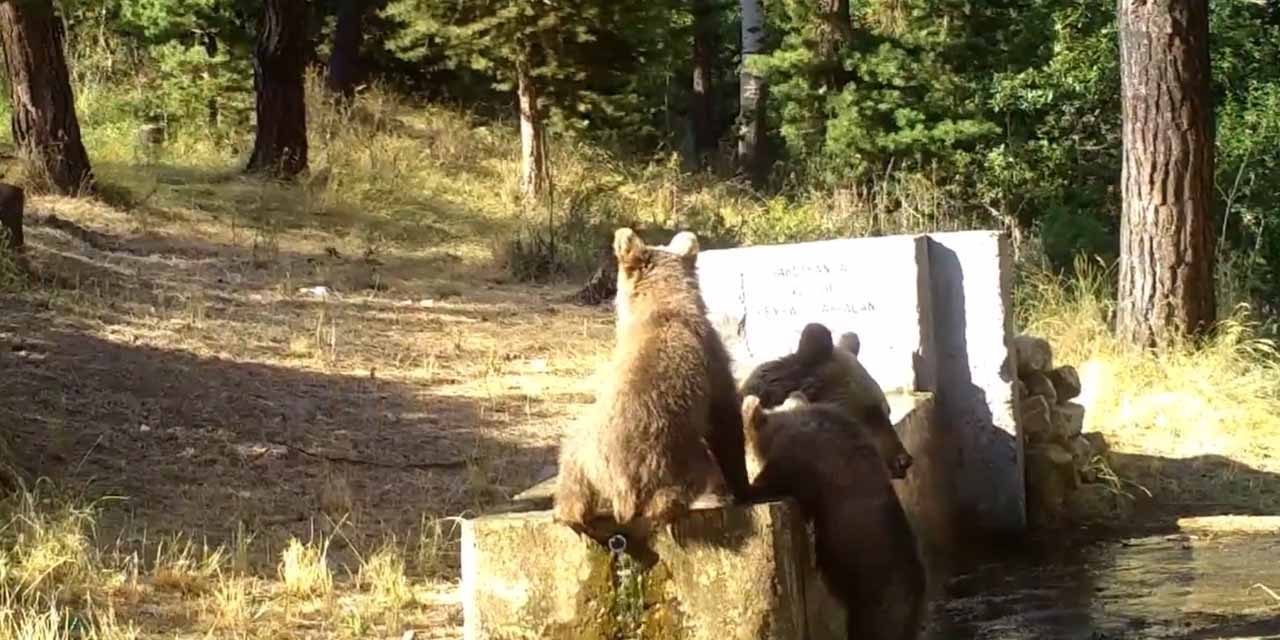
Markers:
{"x": 666, "y": 426}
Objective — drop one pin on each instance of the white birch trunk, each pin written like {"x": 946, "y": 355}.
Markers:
{"x": 752, "y": 93}
{"x": 533, "y": 161}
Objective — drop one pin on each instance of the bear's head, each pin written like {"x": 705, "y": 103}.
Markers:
{"x": 828, "y": 371}
{"x": 662, "y": 276}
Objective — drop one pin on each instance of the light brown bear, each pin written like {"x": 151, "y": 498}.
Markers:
{"x": 666, "y": 427}
{"x": 828, "y": 372}
{"x": 866, "y": 550}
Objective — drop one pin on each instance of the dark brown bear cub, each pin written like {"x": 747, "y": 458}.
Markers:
{"x": 666, "y": 426}
{"x": 828, "y": 373}
{"x": 865, "y": 548}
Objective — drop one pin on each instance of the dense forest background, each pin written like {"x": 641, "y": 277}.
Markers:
{"x": 901, "y": 114}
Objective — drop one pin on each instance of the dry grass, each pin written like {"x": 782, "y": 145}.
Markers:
{"x": 1198, "y": 426}
{"x": 255, "y": 364}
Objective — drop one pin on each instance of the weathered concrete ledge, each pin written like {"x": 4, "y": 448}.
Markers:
{"x": 726, "y": 573}
{"x": 735, "y": 572}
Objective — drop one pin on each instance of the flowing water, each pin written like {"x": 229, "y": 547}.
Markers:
{"x": 1165, "y": 586}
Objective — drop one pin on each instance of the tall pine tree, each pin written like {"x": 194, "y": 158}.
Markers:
{"x": 45, "y": 126}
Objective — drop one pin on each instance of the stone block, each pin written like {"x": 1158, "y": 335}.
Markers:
{"x": 761, "y": 297}
{"x": 1068, "y": 421}
{"x": 970, "y": 277}
{"x": 1066, "y": 381}
{"x": 1034, "y": 354}
{"x": 1097, "y": 443}
{"x": 733, "y": 573}
{"x": 1051, "y": 479}
{"x": 1037, "y": 420}
{"x": 1038, "y": 385}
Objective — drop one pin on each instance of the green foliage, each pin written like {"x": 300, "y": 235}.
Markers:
{"x": 932, "y": 114}
{"x": 600, "y": 66}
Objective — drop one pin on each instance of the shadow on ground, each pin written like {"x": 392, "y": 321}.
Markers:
{"x": 200, "y": 445}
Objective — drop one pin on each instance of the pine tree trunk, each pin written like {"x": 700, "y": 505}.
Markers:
{"x": 344, "y": 62}
{"x": 280, "y": 147}
{"x": 1166, "y": 239}
{"x": 45, "y": 127}
{"x": 753, "y": 94}
{"x": 212, "y": 113}
{"x": 703, "y": 106}
{"x": 533, "y": 143}
{"x": 835, "y": 33}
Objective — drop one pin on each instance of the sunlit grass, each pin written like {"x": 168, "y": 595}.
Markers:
{"x": 1218, "y": 397}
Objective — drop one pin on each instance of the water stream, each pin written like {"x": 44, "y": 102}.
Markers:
{"x": 1162, "y": 586}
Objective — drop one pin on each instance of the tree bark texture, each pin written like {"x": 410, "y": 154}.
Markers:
{"x": 533, "y": 142}
{"x": 344, "y": 61}
{"x": 1166, "y": 250}
{"x": 835, "y": 33}
{"x": 703, "y": 107}
{"x": 753, "y": 94}
{"x": 45, "y": 127}
{"x": 280, "y": 146}
{"x": 12, "y": 203}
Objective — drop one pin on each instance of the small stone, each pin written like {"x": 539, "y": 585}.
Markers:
{"x": 1068, "y": 421}
{"x": 1034, "y": 354}
{"x": 1038, "y": 385}
{"x": 1081, "y": 449}
{"x": 1098, "y": 503}
{"x": 1097, "y": 443}
{"x": 1036, "y": 419}
{"x": 1066, "y": 381}
{"x": 1057, "y": 454}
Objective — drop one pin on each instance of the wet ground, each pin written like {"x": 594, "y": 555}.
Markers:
{"x": 1163, "y": 586}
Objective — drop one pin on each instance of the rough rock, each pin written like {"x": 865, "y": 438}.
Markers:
{"x": 1051, "y": 477}
{"x": 1038, "y": 385}
{"x": 1098, "y": 503}
{"x": 1083, "y": 453}
{"x": 1097, "y": 443}
{"x": 1034, "y": 354}
{"x": 1066, "y": 381}
{"x": 1037, "y": 422}
{"x": 1068, "y": 421}
{"x": 1081, "y": 449}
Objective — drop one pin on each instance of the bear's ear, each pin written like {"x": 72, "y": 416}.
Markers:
{"x": 751, "y": 412}
{"x": 795, "y": 400}
{"x": 815, "y": 344}
{"x": 627, "y": 247}
{"x": 849, "y": 342}
{"x": 684, "y": 244}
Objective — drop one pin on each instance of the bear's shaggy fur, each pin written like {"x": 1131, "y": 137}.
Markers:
{"x": 830, "y": 373}
{"x": 866, "y": 550}
{"x": 666, "y": 426}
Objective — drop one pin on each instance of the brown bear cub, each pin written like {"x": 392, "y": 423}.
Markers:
{"x": 866, "y": 551}
{"x": 828, "y": 373}
{"x": 666, "y": 427}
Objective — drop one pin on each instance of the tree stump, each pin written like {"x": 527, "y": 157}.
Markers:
{"x": 12, "y": 202}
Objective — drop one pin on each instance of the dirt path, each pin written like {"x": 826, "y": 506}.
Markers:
{"x": 212, "y": 390}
